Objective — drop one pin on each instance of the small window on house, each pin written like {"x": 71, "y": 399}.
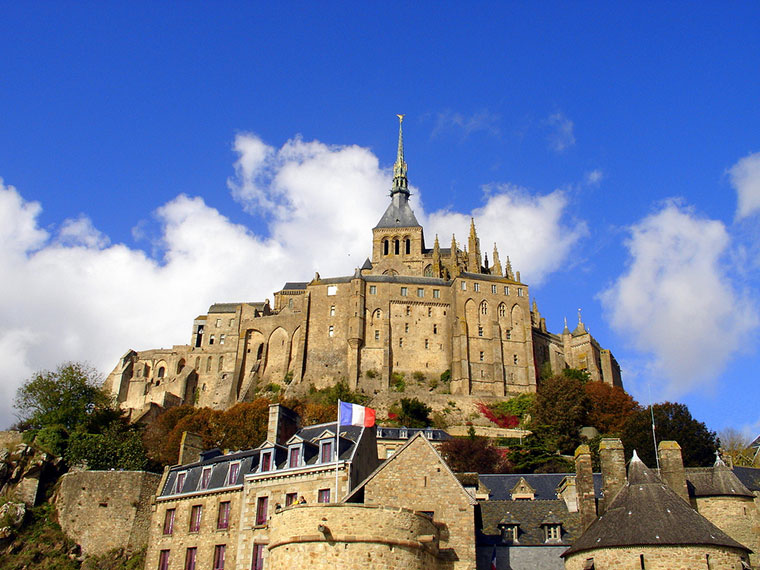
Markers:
{"x": 219, "y": 551}
{"x": 232, "y": 322}
{"x": 519, "y": 291}
{"x": 205, "y": 478}
{"x": 218, "y": 323}
{"x": 427, "y": 344}
{"x": 163, "y": 560}
{"x": 295, "y": 457}
{"x": 493, "y": 289}
{"x": 552, "y": 532}
{"x": 262, "y": 505}
{"x": 420, "y": 292}
{"x": 510, "y": 532}
{"x": 506, "y": 289}
{"x": 332, "y": 310}
{"x": 180, "y": 482}
{"x": 436, "y": 293}
{"x": 331, "y": 331}
{"x": 476, "y": 287}
{"x": 404, "y": 291}
{"x": 234, "y": 471}
{"x": 290, "y": 303}
{"x": 508, "y": 334}
{"x": 464, "y": 285}
{"x": 326, "y": 452}
{"x": 403, "y": 433}
{"x": 516, "y": 360}
{"x": 169, "y": 521}
{"x": 401, "y": 341}
{"x": 222, "y": 338}
{"x": 266, "y": 461}
{"x": 406, "y": 327}
{"x": 211, "y": 339}
{"x": 332, "y": 290}
{"x": 377, "y": 334}
{"x": 373, "y": 289}
{"x": 223, "y": 519}
{"x": 323, "y": 496}
{"x": 290, "y": 499}
{"x": 191, "y": 555}
{"x": 196, "y": 513}
{"x": 430, "y": 311}
{"x": 258, "y": 557}
{"x": 480, "y": 331}
{"x": 482, "y": 356}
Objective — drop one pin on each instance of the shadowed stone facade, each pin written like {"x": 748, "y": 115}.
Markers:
{"x": 409, "y": 309}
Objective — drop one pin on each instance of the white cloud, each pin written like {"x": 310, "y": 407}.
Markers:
{"x": 594, "y": 177}
{"x": 528, "y": 228}
{"x": 677, "y": 302}
{"x": 480, "y": 121}
{"x": 70, "y": 294}
{"x": 561, "y": 136}
{"x": 745, "y": 178}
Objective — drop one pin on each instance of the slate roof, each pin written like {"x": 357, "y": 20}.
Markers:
{"x": 223, "y": 307}
{"x": 395, "y": 433}
{"x": 715, "y": 481}
{"x": 531, "y": 516}
{"x": 295, "y": 286}
{"x": 648, "y": 512}
{"x": 486, "y": 277}
{"x": 398, "y": 214}
{"x": 405, "y": 279}
{"x": 249, "y": 460}
{"x": 544, "y": 484}
{"x": 749, "y": 476}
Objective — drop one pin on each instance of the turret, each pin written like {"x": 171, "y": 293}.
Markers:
{"x": 496, "y": 269}
{"x": 473, "y": 246}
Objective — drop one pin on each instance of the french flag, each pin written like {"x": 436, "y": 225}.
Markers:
{"x": 355, "y": 415}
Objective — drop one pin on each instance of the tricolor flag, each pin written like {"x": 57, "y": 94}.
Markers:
{"x": 355, "y": 415}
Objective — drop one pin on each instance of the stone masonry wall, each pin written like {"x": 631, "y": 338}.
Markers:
{"x": 659, "y": 558}
{"x": 103, "y": 510}
{"x": 738, "y": 517}
{"x": 346, "y": 537}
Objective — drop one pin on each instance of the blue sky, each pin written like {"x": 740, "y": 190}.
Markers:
{"x": 158, "y": 157}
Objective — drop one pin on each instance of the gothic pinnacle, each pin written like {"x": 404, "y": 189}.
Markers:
{"x": 400, "y": 181}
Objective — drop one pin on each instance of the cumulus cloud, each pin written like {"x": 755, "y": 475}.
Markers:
{"x": 677, "y": 302}
{"x": 561, "y": 136}
{"x": 70, "y": 294}
{"x": 745, "y": 178}
{"x": 528, "y": 228}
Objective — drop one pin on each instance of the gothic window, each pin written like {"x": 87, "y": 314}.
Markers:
{"x": 396, "y": 248}
{"x": 180, "y": 365}
{"x": 385, "y": 247}
{"x": 502, "y": 310}
{"x": 161, "y": 371}
{"x": 197, "y": 363}
{"x": 408, "y": 245}
{"x": 428, "y": 271}
{"x": 483, "y": 308}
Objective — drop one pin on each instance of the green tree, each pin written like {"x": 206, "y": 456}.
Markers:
{"x": 412, "y": 413}
{"x": 70, "y": 396}
{"x": 560, "y": 410}
{"x": 533, "y": 456}
{"x": 673, "y": 421}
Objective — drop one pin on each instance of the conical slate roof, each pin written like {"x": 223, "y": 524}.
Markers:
{"x": 398, "y": 214}
{"x": 714, "y": 481}
{"x": 648, "y": 512}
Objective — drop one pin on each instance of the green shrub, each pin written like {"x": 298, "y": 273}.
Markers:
{"x": 371, "y": 373}
{"x": 398, "y": 384}
{"x": 418, "y": 376}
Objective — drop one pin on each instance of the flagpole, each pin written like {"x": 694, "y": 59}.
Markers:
{"x": 336, "y": 452}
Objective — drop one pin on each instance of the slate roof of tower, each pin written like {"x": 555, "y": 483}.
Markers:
{"x": 648, "y": 512}
{"x": 398, "y": 214}
{"x": 295, "y": 286}
{"x": 715, "y": 481}
{"x": 749, "y": 476}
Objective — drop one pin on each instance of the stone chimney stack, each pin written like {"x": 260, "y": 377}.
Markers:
{"x": 190, "y": 448}
{"x": 612, "y": 458}
{"x": 584, "y": 484}
{"x": 671, "y": 468}
{"x": 283, "y": 423}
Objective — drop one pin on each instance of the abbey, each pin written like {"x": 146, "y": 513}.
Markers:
{"x": 409, "y": 310}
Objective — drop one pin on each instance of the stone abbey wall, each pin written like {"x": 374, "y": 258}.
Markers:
{"x": 659, "y": 558}
{"x": 737, "y": 516}
{"x": 346, "y": 537}
{"x": 103, "y": 510}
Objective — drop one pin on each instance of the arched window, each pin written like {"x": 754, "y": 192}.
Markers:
{"x": 146, "y": 372}
{"x": 396, "y": 249}
{"x": 221, "y": 364}
{"x": 428, "y": 271}
{"x": 483, "y": 308}
{"x": 180, "y": 365}
{"x": 161, "y": 371}
{"x": 408, "y": 245}
{"x": 290, "y": 303}
{"x": 260, "y": 351}
{"x": 385, "y": 247}
{"x": 197, "y": 363}
{"x": 502, "y": 310}
{"x": 208, "y": 364}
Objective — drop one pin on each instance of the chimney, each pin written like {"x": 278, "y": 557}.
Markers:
{"x": 190, "y": 448}
{"x": 584, "y": 484}
{"x": 612, "y": 459}
{"x": 283, "y": 423}
{"x": 671, "y": 468}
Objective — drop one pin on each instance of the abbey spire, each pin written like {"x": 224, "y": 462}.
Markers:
{"x": 400, "y": 181}
{"x": 399, "y": 214}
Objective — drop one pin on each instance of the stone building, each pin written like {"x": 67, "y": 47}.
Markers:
{"x": 216, "y": 511}
{"x": 410, "y": 308}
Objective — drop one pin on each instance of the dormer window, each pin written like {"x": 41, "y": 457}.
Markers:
{"x": 232, "y": 476}
{"x": 266, "y": 461}
{"x": 510, "y": 533}
{"x": 205, "y": 478}
{"x": 326, "y": 451}
{"x": 294, "y": 459}
{"x": 403, "y": 434}
{"x": 553, "y": 532}
{"x": 180, "y": 482}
